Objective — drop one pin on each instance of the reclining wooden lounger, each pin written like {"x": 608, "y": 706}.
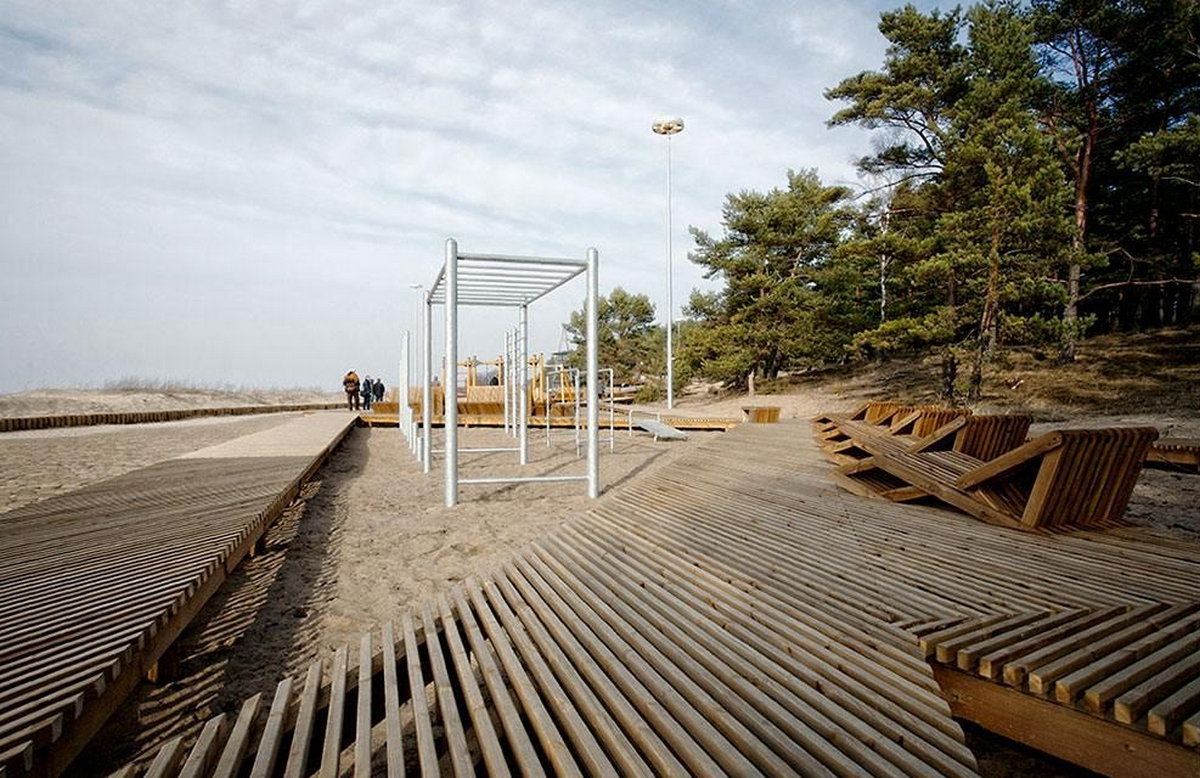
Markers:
{"x": 1067, "y": 479}
{"x": 904, "y": 423}
{"x": 873, "y": 412}
{"x": 981, "y": 437}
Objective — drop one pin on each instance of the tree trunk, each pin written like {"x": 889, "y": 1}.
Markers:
{"x": 1078, "y": 240}
{"x": 750, "y": 383}
{"x": 949, "y": 375}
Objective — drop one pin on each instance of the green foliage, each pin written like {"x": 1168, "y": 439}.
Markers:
{"x": 627, "y": 336}
{"x": 1041, "y": 171}
{"x": 778, "y": 259}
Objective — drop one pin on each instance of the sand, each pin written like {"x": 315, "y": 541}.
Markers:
{"x": 370, "y": 538}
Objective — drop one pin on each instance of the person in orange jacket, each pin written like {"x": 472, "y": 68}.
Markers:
{"x": 350, "y": 384}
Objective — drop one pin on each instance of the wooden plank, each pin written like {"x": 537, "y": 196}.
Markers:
{"x": 269, "y": 745}
{"x": 1006, "y": 463}
{"x": 362, "y": 722}
{"x": 202, "y": 759}
{"x": 335, "y": 715}
{"x": 297, "y": 762}
{"x": 477, "y": 708}
{"x": 1130, "y": 664}
{"x": 230, "y": 762}
{"x": 422, "y": 715}
{"x": 1131, "y": 705}
{"x": 166, "y": 762}
{"x": 391, "y": 699}
{"x": 1184, "y": 702}
{"x": 452, "y": 726}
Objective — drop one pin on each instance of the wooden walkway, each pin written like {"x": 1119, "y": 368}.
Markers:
{"x": 96, "y": 584}
{"x": 735, "y": 613}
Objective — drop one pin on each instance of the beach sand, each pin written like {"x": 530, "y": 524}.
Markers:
{"x": 370, "y": 538}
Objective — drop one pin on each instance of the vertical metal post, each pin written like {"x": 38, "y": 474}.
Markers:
{"x": 593, "y": 368}
{"x": 513, "y": 379}
{"x": 427, "y": 389}
{"x": 577, "y": 414}
{"x": 523, "y": 403}
{"x": 504, "y": 380}
{"x": 401, "y": 421}
{"x": 450, "y": 388}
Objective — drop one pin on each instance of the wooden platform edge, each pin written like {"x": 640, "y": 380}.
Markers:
{"x": 25, "y": 423}
{"x": 1088, "y": 741}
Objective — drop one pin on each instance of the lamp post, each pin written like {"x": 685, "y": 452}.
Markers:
{"x": 669, "y": 127}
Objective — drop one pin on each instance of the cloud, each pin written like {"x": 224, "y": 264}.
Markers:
{"x": 243, "y": 192}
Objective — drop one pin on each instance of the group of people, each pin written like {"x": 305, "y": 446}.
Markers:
{"x": 362, "y": 394}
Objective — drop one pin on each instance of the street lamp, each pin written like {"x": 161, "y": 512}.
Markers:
{"x": 669, "y": 127}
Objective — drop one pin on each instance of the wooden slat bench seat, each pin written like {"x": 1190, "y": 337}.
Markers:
{"x": 1068, "y": 479}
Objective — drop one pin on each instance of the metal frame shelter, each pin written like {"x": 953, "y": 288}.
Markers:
{"x": 498, "y": 280}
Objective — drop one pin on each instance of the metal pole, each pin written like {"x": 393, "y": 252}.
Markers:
{"x": 670, "y": 296}
{"x": 612, "y": 433}
{"x": 403, "y": 382}
{"x": 450, "y": 389}
{"x": 504, "y": 380}
{"x": 523, "y": 403}
{"x": 577, "y": 414}
{"x": 593, "y": 368}
{"x": 427, "y": 389}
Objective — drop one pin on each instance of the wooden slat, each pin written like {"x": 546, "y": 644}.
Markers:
{"x": 266, "y": 755}
{"x": 362, "y": 721}
{"x": 335, "y": 715}
{"x": 395, "y": 738}
{"x": 238, "y": 742}
{"x": 422, "y": 715}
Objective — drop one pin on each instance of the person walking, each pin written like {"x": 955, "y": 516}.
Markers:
{"x": 368, "y": 392}
{"x": 379, "y": 390}
{"x": 350, "y": 385}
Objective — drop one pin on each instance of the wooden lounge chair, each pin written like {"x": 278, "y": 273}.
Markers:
{"x": 902, "y": 425}
{"x": 983, "y": 437}
{"x": 979, "y": 437}
{"x": 1068, "y": 479}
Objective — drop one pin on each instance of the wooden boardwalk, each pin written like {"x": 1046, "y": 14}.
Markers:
{"x": 735, "y": 613}
{"x": 96, "y": 584}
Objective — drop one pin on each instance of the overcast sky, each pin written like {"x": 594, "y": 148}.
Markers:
{"x": 242, "y": 192}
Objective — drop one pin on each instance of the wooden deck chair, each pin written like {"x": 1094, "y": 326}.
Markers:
{"x": 983, "y": 437}
{"x": 1068, "y": 478}
{"x": 980, "y": 437}
{"x": 924, "y": 420}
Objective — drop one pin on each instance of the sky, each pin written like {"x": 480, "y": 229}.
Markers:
{"x": 243, "y": 193}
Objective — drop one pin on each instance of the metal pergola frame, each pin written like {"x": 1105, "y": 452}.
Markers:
{"x": 499, "y": 280}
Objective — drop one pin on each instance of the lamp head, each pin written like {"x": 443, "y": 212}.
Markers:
{"x": 669, "y": 126}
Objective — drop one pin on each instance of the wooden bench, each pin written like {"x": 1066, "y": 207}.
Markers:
{"x": 760, "y": 414}
{"x": 1068, "y": 479}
